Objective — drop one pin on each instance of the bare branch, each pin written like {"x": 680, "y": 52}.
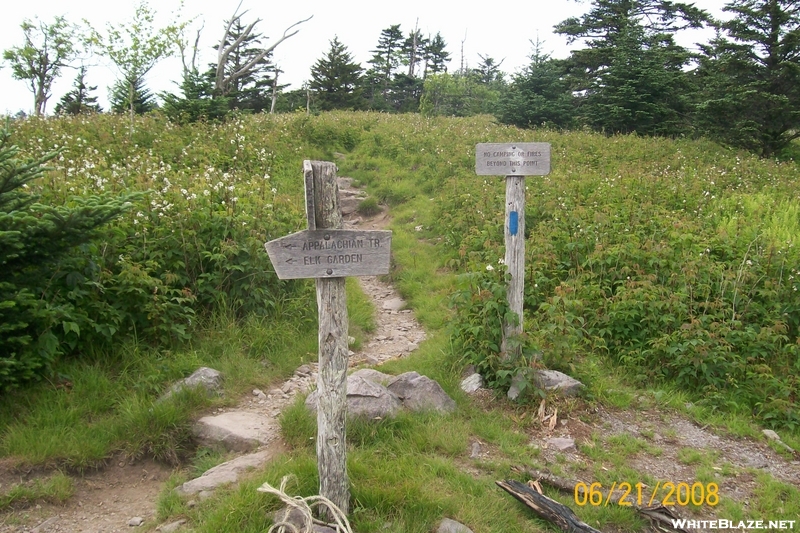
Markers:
{"x": 223, "y": 81}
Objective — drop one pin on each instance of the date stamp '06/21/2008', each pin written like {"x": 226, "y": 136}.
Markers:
{"x": 664, "y": 493}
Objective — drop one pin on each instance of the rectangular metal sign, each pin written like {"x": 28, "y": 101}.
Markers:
{"x": 512, "y": 159}
{"x": 331, "y": 253}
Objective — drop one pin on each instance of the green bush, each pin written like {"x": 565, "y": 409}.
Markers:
{"x": 41, "y": 268}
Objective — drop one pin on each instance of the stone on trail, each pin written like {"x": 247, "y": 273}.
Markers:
{"x": 236, "y": 431}
{"x": 394, "y": 304}
{"x": 368, "y": 397}
{"x": 227, "y": 472}
{"x": 373, "y": 375}
{"x": 421, "y": 393}
{"x": 451, "y": 526}
{"x": 364, "y": 398}
{"x": 561, "y": 444}
{"x": 205, "y": 377}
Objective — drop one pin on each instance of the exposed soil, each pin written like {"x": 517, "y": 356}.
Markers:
{"x": 106, "y": 500}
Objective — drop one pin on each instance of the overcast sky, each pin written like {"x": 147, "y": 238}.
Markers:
{"x": 500, "y": 30}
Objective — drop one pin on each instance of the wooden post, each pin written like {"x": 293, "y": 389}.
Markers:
{"x": 328, "y": 253}
{"x": 515, "y": 160}
{"x": 515, "y": 258}
{"x": 333, "y": 350}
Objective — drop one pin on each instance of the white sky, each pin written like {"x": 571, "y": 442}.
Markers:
{"x": 502, "y": 31}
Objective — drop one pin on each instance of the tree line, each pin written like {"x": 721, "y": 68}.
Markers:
{"x": 626, "y": 74}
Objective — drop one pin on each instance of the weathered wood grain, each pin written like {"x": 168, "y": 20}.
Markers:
{"x": 331, "y": 253}
{"x": 334, "y": 483}
{"x": 515, "y": 260}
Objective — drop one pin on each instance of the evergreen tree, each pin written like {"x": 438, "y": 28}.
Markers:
{"x": 198, "y": 101}
{"x": 631, "y": 72}
{"x": 539, "y": 95}
{"x": 385, "y": 60}
{"x": 435, "y": 55}
{"x": 120, "y": 96}
{"x": 336, "y": 80}
{"x": 78, "y": 101}
{"x": 488, "y": 70}
{"x": 34, "y": 241}
{"x": 404, "y": 93}
{"x": 750, "y": 83}
{"x": 643, "y": 90}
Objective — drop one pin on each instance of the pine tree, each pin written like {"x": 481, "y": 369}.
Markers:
{"x": 750, "y": 81}
{"x": 34, "y": 240}
{"x": 198, "y": 101}
{"x": 120, "y": 96}
{"x": 385, "y": 61}
{"x": 435, "y": 55}
{"x": 631, "y": 71}
{"x": 336, "y": 80}
{"x": 539, "y": 95}
{"x": 78, "y": 101}
{"x": 488, "y": 70}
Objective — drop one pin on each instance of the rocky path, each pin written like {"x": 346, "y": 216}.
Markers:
{"x": 123, "y": 496}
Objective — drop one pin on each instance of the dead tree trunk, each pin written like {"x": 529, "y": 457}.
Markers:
{"x": 222, "y": 80}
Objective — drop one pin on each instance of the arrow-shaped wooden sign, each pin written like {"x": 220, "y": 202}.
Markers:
{"x": 331, "y": 253}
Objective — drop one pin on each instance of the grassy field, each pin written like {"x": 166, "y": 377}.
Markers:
{"x": 658, "y": 269}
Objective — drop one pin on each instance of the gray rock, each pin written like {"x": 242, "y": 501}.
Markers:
{"x": 289, "y": 515}
{"x": 548, "y": 380}
{"x": 561, "y": 444}
{"x": 228, "y": 472}
{"x": 472, "y": 383}
{"x": 238, "y": 431}
{"x": 172, "y": 527}
{"x": 45, "y": 526}
{"x": 555, "y": 381}
{"x": 372, "y": 375}
{"x": 476, "y": 451}
{"x": 136, "y": 521}
{"x": 364, "y": 398}
{"x": 394, "y": 304}
{"x": 451, "y": 526}
{"x": 205, "y": 377}
{"x": 421, "y": 393}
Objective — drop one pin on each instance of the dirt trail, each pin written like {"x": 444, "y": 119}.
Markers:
{"x": 105, "y": 501}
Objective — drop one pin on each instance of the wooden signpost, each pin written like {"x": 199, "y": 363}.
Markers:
{"x": 515, "y": 161}
{"x": 328, "y": 253}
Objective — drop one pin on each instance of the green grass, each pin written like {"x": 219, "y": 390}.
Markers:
{"x": 627, "y": 236}
{"x": 107, "y": 406}
{"x": 57, "y": 489}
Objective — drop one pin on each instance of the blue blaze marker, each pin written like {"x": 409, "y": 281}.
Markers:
{"x": 513, "y": 222}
